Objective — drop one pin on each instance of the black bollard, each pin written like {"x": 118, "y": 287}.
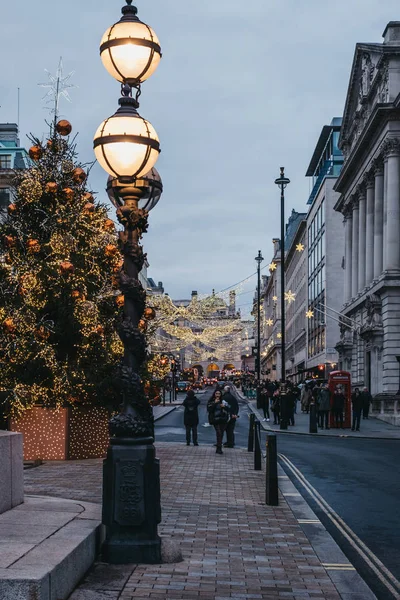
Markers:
{"x": 313, "y": 418}
{"x": 257, "y": 446}
{"x": 250, "y": 444}
{"x": 271, "y": 488}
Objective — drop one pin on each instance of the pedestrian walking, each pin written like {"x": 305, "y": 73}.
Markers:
{"x": 357, "y": 402}
{"x": 367, "y": 401}
{"x": 324, "y": 406}
{"x": 338, "y": 402}
{"x": 218, "y": 416}
{"x": 233, "y": 409}
{"x": 276, "y": 407}
{"x": 191, "y": 417}
{"x": 290, "y": 403}
{"x": 265, "y": 402}
{"x": 306, "y": 396}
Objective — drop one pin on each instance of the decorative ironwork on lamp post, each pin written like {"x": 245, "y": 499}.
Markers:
{"x": 282, "y": 182}
{"x": 127, "y": 147}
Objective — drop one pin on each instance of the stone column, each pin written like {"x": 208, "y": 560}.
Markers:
{"x": 348, "y": 221}
{"x": 361, "y": 236}
{"x": 392, "y": 152}
{"x": 354, "y": 256}
{"x": 369, "y": 229}
{"x": 378, "y": 218}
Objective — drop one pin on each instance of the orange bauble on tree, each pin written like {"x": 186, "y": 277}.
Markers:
{"x": 89, "y": 207}
{"x": 66, "y": 267}
{"x": 110, "y": 250}
{"x": 10, "y": 241}
{"x": 35, "y": 152}
{"x": 79, "y": 175}
{"x": 68, "y": 194}
{"x": 12, "y": 209}
{"x": 9, "y": 325}
{"x": 64, "y": 127}
{"x": 109, "y": 225}
{"x": 149, "y": 313}
{"x": 51, "y": 187}
{"x": 120, "y": 301}
{"x": 33, "y": 246}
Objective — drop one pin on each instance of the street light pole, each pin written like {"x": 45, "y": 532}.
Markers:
{"x": 282, "y": 182}
{"x": 127, "y": 147}
{"x": 259, "y": 260}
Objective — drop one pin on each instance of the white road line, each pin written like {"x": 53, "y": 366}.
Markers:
{"x": 379, "y": 569}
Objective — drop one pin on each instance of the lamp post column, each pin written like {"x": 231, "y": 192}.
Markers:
{"x": 259, "y": 260}
{"x": 282, "y": 182}
{"x": 127, "y": 147}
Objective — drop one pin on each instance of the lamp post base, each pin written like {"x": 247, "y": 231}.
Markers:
{"x": 131, "y": 502}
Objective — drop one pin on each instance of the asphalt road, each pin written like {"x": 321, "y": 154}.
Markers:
{"x": 358, "y": 479}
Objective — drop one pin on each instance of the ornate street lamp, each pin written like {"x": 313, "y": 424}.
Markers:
{"x": 127, "y": 147}
{"x": 259, "y": 258}
{"x": 283, "y": 182}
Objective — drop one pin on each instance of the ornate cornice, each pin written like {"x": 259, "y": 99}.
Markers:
{"x": 353, "y": 204}
{"x": 369, "y": 179}
{"x": 390, "y": 147}
{"x": 361, "y": 190}
{"x": 377, "y": 166}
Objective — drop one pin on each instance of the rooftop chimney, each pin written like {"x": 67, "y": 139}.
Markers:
{"x": 9, "y": 133}
{"x": 391, "y": 35}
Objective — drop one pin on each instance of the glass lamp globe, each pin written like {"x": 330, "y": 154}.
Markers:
{"x": 149, "y": 188}
{"x": 129, "y": 49}
{"x": 126, "y": 145}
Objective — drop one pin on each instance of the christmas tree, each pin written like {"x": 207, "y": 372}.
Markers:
{"x": 59, "y": 299}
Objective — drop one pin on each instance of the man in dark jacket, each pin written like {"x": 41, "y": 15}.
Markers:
{"x": 191, "y": 416}
{"x": 338, "y": 403}
{"x": 233, "y": 408}
{"x": 357, "y": 402}
{"x": 367, "y": 401}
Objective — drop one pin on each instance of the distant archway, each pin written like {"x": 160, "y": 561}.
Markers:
{"x": 229, "y": 367}
{"x": 213, "y": 369}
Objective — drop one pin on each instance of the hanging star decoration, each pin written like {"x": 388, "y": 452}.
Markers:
{"x": 279, "y": 336}
{"x": 309, "y": 314}
{"x": 290, "y": 297}
{"x": 275, "y": 298}
{"x": 269, "y": 322}
{"x": 300, "y": 247}
{"x": 58, "y": 87}
{"x": 272, "y": 266}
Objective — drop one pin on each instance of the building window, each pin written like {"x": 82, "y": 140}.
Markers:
{"x": 5, "y": 161}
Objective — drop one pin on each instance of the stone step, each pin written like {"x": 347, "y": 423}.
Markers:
{"x": 46, "y": 547}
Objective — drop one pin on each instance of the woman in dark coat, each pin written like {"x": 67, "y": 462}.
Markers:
{"x": 191, "y": 416}
{"x": 218, "y": 416}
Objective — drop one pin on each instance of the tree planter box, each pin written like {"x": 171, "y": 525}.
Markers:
{"x": 63, "y": 434}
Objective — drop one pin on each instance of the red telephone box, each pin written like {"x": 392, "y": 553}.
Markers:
{"x": 341, "y": 379}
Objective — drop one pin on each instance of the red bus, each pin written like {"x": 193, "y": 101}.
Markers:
{"x": 341, "y": 379}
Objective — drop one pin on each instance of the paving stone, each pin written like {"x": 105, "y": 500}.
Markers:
{"x": 234, "y": 546}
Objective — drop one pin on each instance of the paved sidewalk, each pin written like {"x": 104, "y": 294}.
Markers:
{"x": 234, "y": 546}
{"x": 369, "y": 428}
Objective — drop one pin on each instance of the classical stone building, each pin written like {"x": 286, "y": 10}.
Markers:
{"x": 369, "y": 188}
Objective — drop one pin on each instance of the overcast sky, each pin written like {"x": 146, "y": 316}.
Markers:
{"x": 243, "y": 88}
